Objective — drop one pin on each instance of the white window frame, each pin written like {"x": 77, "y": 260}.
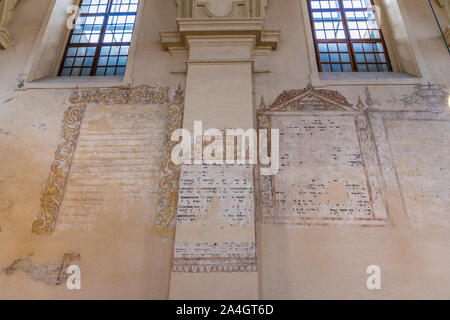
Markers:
{"x": 41, "y": 71}
{"x": 408, "y": 64}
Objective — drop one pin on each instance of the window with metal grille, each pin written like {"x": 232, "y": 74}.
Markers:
{"x": 347, "y": 37}
{"x": 100, "y": 42}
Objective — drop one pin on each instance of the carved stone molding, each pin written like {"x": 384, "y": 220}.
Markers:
{"x": 221, "y": 8}
{"x": 214, "y": 18}
{"x": 6, "y": 10}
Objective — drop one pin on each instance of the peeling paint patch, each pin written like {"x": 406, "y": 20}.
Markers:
{"x": 52, "y": 275}
{"x": 369, "y": 100}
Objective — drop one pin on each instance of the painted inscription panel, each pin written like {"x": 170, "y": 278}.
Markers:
{"x": 119, "y": 150}
{"x": 329, "y": 174}
{"x": 215, "y": 221}
{"x": 422, "y": 165}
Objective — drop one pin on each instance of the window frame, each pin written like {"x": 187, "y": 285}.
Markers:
{"x": 100, "y": 42}
{"x": 348, "y": 40}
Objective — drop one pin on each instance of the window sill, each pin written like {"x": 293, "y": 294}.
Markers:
{"x": 365, "y": 78}
{"x": 75, "y": 82}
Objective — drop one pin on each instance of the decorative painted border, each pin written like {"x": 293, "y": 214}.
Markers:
{"x": 53, "y": 193}
{"x": 59, "y": 171}
{"x": 138, "y": 95}
{"x": 166, "y": 208}
{"x": 213, "y": 265}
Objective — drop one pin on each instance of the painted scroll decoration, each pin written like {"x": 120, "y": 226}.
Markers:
{"x": 53, "y": 193}
{"x": 166, "y": 208}
{"x": 329, "y": 170}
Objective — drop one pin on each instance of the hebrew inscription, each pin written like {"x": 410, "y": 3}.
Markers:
{"x": 423, "y": 168}
{"x": 215, "y": 215}
{"x": 329, "y": 172}
{"x": 119, "y": 146}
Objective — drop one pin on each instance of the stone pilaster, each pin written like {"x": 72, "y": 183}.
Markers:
{"x": 215, "y": 245}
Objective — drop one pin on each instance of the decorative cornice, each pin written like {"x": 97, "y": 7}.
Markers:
{"x": 207, "y": 9}
{"x": 174, "y": 41}
{"x": 6, "y": 10}
{"x": 198, "y": 18}
{"x": 238, "y": 9}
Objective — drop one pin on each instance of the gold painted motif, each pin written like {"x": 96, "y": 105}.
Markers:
{"x": 166, "y": 208}
{"x": 139, "y": 95}
{"x": 53, "y": 192}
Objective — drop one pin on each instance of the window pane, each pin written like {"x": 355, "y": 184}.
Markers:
{"x": 351, "y": 44}
{"x": 100, "y": 22}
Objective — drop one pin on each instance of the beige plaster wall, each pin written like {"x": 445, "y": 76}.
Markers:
{"x": 125, "y": 257}
{"x": 301, "y": 262}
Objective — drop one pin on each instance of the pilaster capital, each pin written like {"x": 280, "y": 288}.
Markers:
{"x": 221, "y": 18}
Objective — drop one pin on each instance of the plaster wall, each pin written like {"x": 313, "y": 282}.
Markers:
{"x": 123, "y": 256}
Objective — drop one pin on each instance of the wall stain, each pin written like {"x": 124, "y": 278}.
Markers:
{"x": 7, "y": 100}
{"x": 52, "y": 275}
{"x": 369, "y": 100}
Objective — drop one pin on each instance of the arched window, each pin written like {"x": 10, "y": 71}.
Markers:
{"x": 347, "y": 37}
{"x": 100, "y": 42}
